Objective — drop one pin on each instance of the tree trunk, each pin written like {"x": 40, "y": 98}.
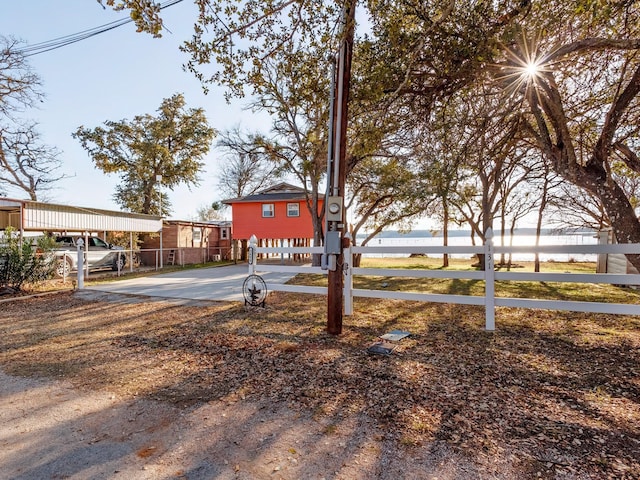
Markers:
{"x": 445, "y": 234}
{"x": 624, "y": 222}
{"x": 316, "y": 258}
{"x": 536, "y": 267}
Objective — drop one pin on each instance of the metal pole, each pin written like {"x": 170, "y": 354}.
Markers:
{"x": 131, "y": 248}
{"x": 330, "y": 150}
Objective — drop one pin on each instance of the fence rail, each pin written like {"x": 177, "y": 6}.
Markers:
{"x": 489, "y": 276}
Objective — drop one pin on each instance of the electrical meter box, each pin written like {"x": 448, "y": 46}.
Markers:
{"x": 334, "y": 209}
{"x": 332, "y": 243}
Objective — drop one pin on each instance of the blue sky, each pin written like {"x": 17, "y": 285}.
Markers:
{"x": 113, "y": 76}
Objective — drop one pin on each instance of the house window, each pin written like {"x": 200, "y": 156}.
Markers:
{"x": 293, "y": 209}
{"x": 268, "y": 210}
{"x": 223, "y": 233}
{"x": 197, "y": 235}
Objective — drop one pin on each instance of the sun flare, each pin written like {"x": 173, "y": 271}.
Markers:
{"x": 524, "y": 67}
{"x": 531, "y": 69}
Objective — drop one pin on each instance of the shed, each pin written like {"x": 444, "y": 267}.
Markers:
{"x": 612, "y": 262}
{"x": 186, "y": 242}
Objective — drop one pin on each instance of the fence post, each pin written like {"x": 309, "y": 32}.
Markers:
{"x": 251, "y": 257}
{"x": 131, "y": 256}
{"x": 489, "y": 282}
{"x": 348, "y": 276}
{"x": 80, "y": 263}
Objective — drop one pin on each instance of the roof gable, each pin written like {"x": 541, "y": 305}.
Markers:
{"x": 279, "y": 192}
{"x": 281, "y": 188}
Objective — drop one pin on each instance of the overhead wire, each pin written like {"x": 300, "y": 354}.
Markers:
{"x": 42, "y": 47}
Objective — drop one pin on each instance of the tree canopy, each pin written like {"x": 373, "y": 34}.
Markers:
{"x": 566, "y": 72}
{"x": 151, "y": 152}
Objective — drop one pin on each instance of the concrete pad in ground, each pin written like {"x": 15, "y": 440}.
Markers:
{"x": 215, "y": 283}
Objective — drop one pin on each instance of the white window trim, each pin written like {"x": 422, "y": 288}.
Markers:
{"x": 297, "y": 209}
{"x": 272, "y": 211}
{"x": 197, "y": 235}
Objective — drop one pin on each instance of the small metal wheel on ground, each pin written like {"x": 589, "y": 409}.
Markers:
{"x": 254, "y": 290}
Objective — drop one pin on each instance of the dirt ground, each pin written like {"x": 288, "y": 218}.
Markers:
{"x": 107, "y": 386}
{"x": 52, "y": 430}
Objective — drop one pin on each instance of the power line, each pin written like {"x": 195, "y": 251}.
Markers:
{"x": 42, "y": 47}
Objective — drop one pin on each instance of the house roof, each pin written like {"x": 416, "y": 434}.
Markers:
{"x": 281, "y": 191}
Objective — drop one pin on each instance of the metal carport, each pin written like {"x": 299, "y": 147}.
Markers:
{"x": 32, "y": 216}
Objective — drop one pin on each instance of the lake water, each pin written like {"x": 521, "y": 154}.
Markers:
{"x": 460, "y": 239}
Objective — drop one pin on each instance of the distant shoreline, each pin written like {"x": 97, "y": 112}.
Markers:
{"x": 467, "y": 233}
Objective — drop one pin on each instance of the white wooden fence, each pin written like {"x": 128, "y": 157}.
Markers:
{"x": 489, "y": 276}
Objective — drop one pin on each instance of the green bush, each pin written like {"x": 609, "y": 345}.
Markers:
{"x": 27, "y": 262}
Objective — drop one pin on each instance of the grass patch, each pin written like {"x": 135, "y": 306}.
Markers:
{"x": 586, "y": 292}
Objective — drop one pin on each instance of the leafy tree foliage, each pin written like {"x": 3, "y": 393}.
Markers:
{"x": 385, "y": 193}
{"x": 24, "y": 262}
{"x": 144, "y": 13}
{"x": 572, "y": 66}
{"x": 567, "y": 72}
{"x": 294, "y": 91}
{"x": 231, "y": 40}
{"x": 586, "y": 119}
{"x": 170, "y": 145}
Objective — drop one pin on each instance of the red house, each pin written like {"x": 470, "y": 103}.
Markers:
{"x": 277, "y": 216}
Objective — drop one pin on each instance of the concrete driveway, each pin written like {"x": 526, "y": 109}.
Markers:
{"x": 215, "y": 283}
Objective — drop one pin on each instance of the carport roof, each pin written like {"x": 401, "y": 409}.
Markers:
{"x": 29, "y": 215}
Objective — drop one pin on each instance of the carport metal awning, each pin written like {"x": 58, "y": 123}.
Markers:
{"x": 28, "y": 215}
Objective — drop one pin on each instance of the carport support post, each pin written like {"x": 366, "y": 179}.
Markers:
{"x": 131, "y": 248}
{"x": 161, "y": 259}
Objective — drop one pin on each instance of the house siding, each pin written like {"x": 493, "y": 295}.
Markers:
{"x": 248, "y": 221}
{"x": 178, "y": 236}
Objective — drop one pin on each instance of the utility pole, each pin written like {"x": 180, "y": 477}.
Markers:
{"x": 336, "y": 175}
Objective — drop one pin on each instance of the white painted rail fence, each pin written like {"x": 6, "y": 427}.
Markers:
{"x": 489, "y": 276}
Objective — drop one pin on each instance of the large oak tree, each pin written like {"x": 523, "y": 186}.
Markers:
{"x": 170, "y": 145}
